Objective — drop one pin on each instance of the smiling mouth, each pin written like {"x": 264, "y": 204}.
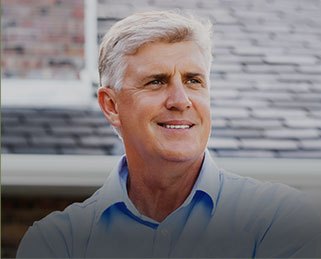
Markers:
{"x": 176, "y": 126}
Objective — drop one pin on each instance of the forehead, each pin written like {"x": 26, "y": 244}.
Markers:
{"x": 165, "y": 57}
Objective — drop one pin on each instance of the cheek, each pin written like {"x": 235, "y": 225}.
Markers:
{"x": 127, "y": 110}
{"x": 202, "y": 104}
{"x": 204, "y": 111}
{"x": 149, "y": 104}
{"x": 138, "y": 110}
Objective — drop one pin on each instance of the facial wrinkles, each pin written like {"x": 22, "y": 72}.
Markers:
{"x": 173, "y": 67}
{"x": 165, "y": 61}
{"x": 133, "y": 91}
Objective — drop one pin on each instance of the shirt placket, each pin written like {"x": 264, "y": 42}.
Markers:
{"x": 162, "y": 241}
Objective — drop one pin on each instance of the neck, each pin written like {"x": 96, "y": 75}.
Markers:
{"x": 157, "y": 189}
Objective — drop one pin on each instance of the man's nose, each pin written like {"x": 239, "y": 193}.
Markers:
{"x": 178, "y": 98}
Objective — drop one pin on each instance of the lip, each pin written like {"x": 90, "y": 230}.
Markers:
{"x": 176, "y": 123}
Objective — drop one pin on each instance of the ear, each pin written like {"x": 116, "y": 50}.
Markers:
{"x": 108, "y": 104}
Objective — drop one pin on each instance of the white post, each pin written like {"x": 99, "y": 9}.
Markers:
{"x": 91, "y": 48}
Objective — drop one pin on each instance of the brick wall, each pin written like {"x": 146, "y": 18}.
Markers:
{"x": 42, "y": 39}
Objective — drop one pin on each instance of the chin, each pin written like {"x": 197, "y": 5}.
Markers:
{"x": 182, "y": 155}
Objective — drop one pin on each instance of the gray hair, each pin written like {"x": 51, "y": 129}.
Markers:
{"x": 128, "y": 35}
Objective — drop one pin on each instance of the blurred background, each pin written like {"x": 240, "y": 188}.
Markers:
{"x": 57, "y": 148}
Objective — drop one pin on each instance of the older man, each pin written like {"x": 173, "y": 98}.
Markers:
{"x": 166, "y": 198}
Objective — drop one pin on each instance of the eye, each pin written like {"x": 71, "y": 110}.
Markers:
{"x": 194, "y": 83}
{"x": 155, "y": 84}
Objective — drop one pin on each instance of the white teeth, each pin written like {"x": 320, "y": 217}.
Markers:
{"x": 177, "y": 126}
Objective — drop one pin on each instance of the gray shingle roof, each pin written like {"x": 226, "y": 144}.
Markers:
{"x": 61, "y": 131}
{"x": 266, "y": 85}
{"x": 57, "y": 131}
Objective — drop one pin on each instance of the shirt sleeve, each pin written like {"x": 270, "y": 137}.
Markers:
{"x": 48, "y": 238}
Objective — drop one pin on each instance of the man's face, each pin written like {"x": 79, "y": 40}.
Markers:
{"x": 164, "y": 103}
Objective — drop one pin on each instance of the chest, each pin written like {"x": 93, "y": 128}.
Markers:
{"x": 198, "y": 235}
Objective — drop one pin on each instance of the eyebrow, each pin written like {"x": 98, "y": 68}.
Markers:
{"x": 164, "y": 76}
{"x": 161, "y": 76}
{"x": 191, "y": 74}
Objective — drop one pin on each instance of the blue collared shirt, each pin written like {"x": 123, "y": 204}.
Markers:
{"x": 225, "y": 215}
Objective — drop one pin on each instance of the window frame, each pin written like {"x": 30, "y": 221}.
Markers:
{"x": 76, "y": 93}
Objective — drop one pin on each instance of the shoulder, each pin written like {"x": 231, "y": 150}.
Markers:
{"x": 261, "y": 196}
{"x": 248, "y": 191}
{"x": 283, "y": 219}
{"x": 57, "y": 233}
{"x": 256, "y": 190}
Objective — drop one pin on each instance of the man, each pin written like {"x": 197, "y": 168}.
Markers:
{"x": 166, "y": 198}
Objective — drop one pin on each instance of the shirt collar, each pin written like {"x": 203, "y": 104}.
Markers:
{"x": 208, "y": 180}
{"x": 113, "y": 191}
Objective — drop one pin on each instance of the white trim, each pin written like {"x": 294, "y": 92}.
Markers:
{"x": 91, "y": 47}
{"x": 55, "y": 170}
{"x": 59, "y": 93}
{"x": 300, "y": 173}
{"x": 44, "y": 93}
{"x": 84, "y": 174}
